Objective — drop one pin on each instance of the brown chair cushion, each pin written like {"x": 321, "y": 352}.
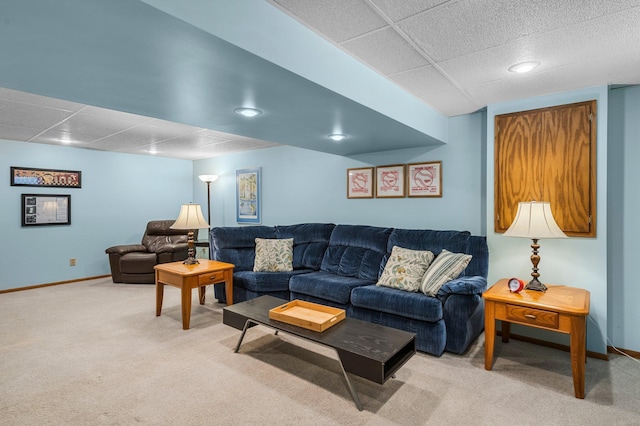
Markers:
{"x": 137, "y": 263}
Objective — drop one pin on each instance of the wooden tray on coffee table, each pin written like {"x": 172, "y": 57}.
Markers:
{"x": 311, "y": 316}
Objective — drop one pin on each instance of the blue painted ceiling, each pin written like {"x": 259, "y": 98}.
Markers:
{"x": 131, "y": 57}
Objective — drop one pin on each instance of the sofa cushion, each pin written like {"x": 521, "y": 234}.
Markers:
{"x": 273, "y": 255}
{"x": 405, "y": 268}
{"x": 427, "y": 239}
{"x": 237, "y": 244}
{"x": 310, "y": 240}
{"x": 402, "y": 303}
{"x": 356, "y": 251}
{"x": 447, "y": 266}
{"x": 479, "y": 265}
{"x": 326, "y": 285}
{"x": 265, "y": 281}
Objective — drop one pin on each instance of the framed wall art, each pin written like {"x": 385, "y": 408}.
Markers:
{"x": 41, "y": 209}
{"x": 425, "y": 179}
{"x": 390, "y": 181}
{"x": 26, "y": 176}
{"x": 360, "y": 183}
{"x": 248, "y": 195}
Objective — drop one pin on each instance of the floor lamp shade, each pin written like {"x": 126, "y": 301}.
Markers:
{"x": 190, "y": 218}
{"x": 535, "y": 221}
{"x": 208, "y": 179}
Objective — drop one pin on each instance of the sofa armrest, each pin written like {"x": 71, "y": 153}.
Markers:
{"x": 463, "y": 286}
{"x": 130, "y": 248}
{"x": 173, "y": 248}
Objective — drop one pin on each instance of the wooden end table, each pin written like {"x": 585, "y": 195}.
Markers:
{"x": 188, "y": 277}
{"x": 561, "y": 308}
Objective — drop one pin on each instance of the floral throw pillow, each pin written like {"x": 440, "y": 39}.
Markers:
{"x": 446, "y": 267}
{"x": 405, "y": 268}
{"x": 273, "y": 255}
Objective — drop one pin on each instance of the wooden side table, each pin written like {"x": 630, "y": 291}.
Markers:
{"x": 188, "y": 277}
{"x": 561, "y": 308}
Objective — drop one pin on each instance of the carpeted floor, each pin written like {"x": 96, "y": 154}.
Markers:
{"x": 94, "y": 353}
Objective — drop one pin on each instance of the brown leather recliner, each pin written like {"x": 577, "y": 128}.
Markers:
{"x": 134, "y": 263}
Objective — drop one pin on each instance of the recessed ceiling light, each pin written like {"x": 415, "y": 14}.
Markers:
{"x": 248, "y": 112}
{"x": 337, "y": 137}
{"x": 523, "y": 67}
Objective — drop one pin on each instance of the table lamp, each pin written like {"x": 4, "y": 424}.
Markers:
{"x": 534, "y": 220}
{"x": 190, "y": 218}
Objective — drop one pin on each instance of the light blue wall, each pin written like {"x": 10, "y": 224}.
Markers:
{"x": 306, "y": 186}
{"x": 624, "y": 227}
{"x": 577, "y": 262}
{"x": 120, "y": 193}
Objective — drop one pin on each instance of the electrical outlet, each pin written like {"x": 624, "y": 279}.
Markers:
{"x": 72, "y": 261}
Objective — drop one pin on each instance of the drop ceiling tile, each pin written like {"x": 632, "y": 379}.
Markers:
{"x": 87, "y": 128}
{"x": 453, "y": 102}
{"x": 338, "y": 20}
{"x": 109, "y": 114}
{"x": 568, "y": 46}
{"x": 243, "y": 144}
{"x": 398, "y": 10}
{"x": 386, "y": 51}
{"x": 42, "y": 101}
{"x": 459, "y": 28}
{"x": 194, "y": 140}
{"x": 58, "y": 136}
{"x": 18, "y": 133}
{"x": 26, "y": 115}
{"x": 423, "y": 81}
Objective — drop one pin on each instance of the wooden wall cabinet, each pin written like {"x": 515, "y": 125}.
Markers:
{"x": 549, "y": 155}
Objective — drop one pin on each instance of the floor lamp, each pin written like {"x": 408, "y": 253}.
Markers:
{"x": 208, "y": 179}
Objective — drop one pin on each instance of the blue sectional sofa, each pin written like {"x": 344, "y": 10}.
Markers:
{"x": 339, "y": 265}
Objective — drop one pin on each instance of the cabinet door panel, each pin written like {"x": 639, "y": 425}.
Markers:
{"x": 547, "y": 155}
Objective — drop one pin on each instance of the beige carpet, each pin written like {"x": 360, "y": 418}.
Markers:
{"x": 94, "y": 353}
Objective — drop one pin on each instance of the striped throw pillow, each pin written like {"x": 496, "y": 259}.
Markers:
{"x": 446, "y": 266}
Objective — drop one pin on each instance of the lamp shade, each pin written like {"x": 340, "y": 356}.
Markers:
{"x": 190, "y": 217}
{"x": 534, "y": 220}
{"x": 208, "y": 178}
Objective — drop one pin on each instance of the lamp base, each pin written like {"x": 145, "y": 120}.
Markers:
{"x": 536, "y": 285}
{"x": 191, "y": 261}
{"x": 191, "y": 252}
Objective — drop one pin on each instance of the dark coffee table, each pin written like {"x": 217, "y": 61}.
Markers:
{"x": 367, "y": 350}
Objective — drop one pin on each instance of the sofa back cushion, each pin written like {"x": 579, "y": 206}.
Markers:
{"x": 237, "y": 245}
{"x": 310, "y": 240}
{"x": 479, "y": 265}
{"x": 427, "y": 239}
{"x": 356, "y": 251}
{"x": 453, "y": 241}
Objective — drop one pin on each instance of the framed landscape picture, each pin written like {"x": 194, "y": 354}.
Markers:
{"x": 248, "y": 195}
{"x": 425, "y": 179}
{"x": 390, "y": 181}
{"x": 360, "y": 183}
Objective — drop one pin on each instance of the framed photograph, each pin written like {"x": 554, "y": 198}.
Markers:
{"x": 390, "y": 181}
{"x": 40, "y": 209}
{"x": 248, "y": 195}
{"x": 425, "y": 179}
{"x": 360, "y": 183}
{"x": 25, "y": 176}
